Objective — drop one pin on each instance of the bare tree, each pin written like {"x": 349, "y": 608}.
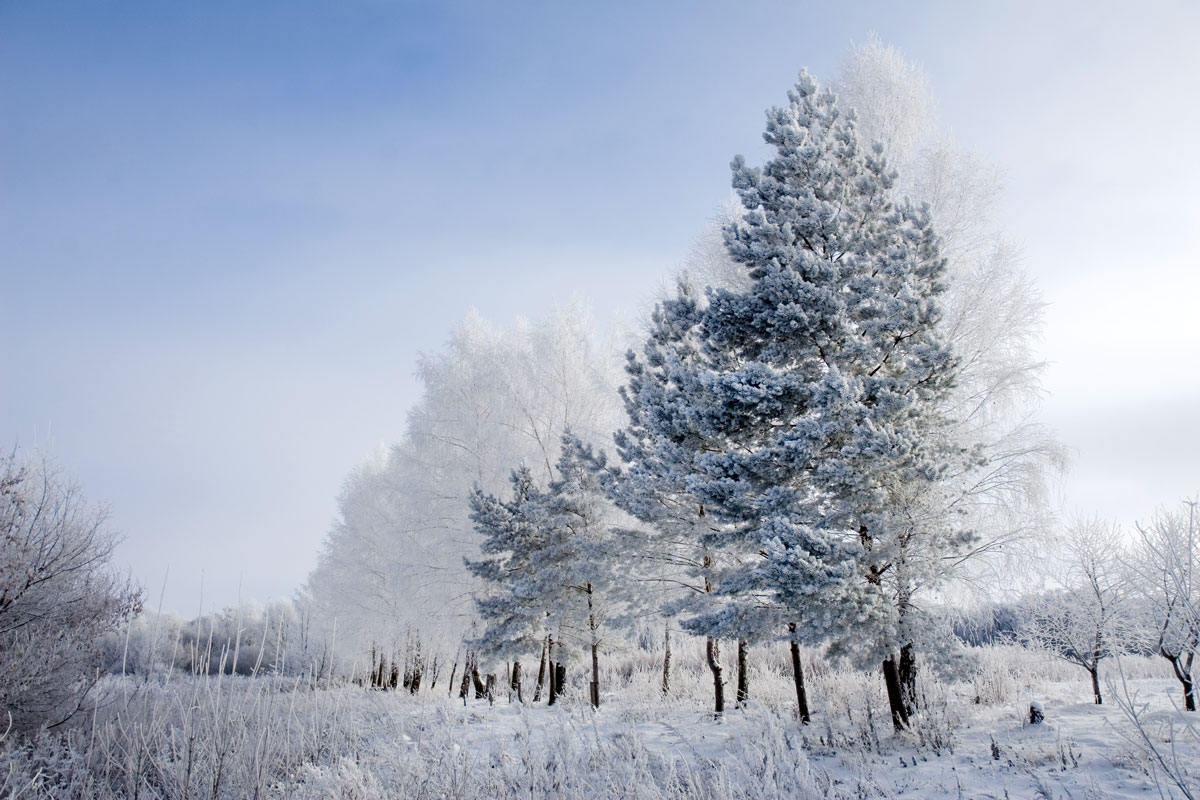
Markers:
{"x": 1166, "y": 567}
{"x": 58, "y": 593}
{"x": 1085, "y": 621}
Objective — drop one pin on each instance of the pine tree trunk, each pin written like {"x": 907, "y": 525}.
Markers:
{"x": 1094, "y": 670}
{"x": 798, "y": 676}
{"x": 595, "y": 675}
{"x": 480, "y": 688}
{"x": 560, "y": 677}
{"x": 515, "y": 683}
{"x": 743, "y": 677}
{"x": 891, "y": 678}
{"x": 595, "y": 687}
{"x": 541, "y": 681}
{"x": 489, "y": 689}
{"x": 712, "y": 647}
{"x": 466, "y": 680}
{"x": 712, "y": 654}
{"x": 666, "y": 678}
{"x": 908, "y": 678}
{"x": 553, "y": 672}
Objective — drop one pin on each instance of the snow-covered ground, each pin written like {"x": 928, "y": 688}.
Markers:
{"x": 270, "y": 737}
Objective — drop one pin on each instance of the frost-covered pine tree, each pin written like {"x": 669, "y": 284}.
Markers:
{"x": 514, "y": 606}
{"x": 585, "y": 559}
{"x": 683, "y": 549}
{"x": 552, "y": 565}
{"x": 816, "y": 395}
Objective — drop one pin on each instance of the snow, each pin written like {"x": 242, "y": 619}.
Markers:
{"x": 278, "y": 737}
{"x": 1082, "y": 750}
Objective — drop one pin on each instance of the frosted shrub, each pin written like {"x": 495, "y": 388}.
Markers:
{"x": 855, "y": 713}
{"x": 198, "y": 737}
{"x": 935, "y": 725}
{"x": 59, "y": 595}
{"x": 995, "y": 681}
{"x": 347, "y": 780}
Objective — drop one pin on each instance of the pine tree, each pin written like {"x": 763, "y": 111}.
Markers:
{"x": 515, "y": 607}
{"x": 679, "y": 543}
{"x": 583, "y": 560}
{"x": 552, "y": 565}
{"x": 809, "y": 414}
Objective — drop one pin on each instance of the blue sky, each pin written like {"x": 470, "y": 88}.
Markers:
{"x": 228, "y": 229}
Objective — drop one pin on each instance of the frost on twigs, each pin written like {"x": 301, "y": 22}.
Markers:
{"x": 58, "y": 594}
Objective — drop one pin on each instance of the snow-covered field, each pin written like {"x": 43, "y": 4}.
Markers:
{"x": 274, "y": 737}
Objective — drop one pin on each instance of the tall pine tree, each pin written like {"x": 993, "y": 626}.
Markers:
{"x": 811, "y": 412}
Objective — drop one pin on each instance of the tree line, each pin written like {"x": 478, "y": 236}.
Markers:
{"x": 831, "y": 417}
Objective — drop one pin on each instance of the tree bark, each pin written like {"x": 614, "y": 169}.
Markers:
{"x": 541, "y": 681}
{"x": 712, "y": 647}
{"x": 595, "y": 676}
{"x": 891, "y": 679}
{"x": 480, "y": 688}
{"x": 798, "y": 676}
{"x": 466, "y": 680}
{"x": 595, "y": 687}
{"x": 1183, "y": 673}
{"x": 895, "y": 691}
{"x": 908, "y": 678}
{"x": 553, "y": 671}
{"x": 712, "y": 653}
{"x": 743, "y": 677}
{"x": 666, "y": 678}
{"x": 515, "y": 683}
{"x": 453, "y": 671}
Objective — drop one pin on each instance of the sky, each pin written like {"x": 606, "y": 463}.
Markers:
{"x": 227, "y": 230}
